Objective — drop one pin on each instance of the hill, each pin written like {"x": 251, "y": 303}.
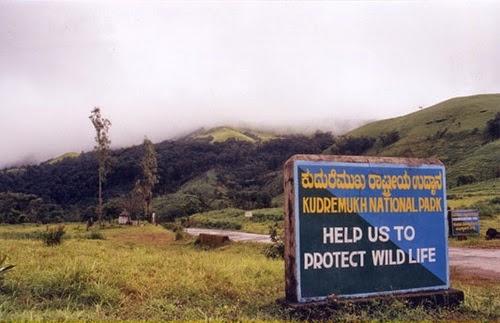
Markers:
{"x": 224, "y": 167}
{"x": 221, "y": 134}
{"x": 195, "y": 174}
{"x": 454, "y": 131}
{"x": 64, "y": 156}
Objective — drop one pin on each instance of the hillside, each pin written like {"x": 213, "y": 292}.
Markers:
{"x": 194, "y": 175}
{"x": 221, "y": 134}
{"x": 225, "y": 167}
{"x": 452, "y": 131}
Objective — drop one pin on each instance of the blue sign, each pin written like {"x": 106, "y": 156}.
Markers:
{"x": 364, "y": 229}
{"x": 464, "y": 222}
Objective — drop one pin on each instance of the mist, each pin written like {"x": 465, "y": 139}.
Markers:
{"x": 164, "y": 68}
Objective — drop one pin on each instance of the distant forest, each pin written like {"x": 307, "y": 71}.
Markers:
{"x": 67, "y": 190}
{"x": 197, "y": 175}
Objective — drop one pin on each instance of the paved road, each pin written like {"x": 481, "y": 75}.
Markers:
{"x": 483, "y": 262}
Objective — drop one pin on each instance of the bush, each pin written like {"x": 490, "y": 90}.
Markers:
{"x": 389, "y": 138}
{"x": 492, "y": 130}
{"x": 465, "y": 179}
{"x": 495, "y": 200}
{"x": 277, "y": 249}
{"x": 53, "y": 236}
{"x": 486, "y": 209}
{"x": 96, "y": 235}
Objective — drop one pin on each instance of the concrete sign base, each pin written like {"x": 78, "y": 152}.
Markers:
{"x": 442, "y": 298}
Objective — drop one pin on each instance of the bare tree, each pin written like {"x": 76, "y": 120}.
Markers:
{"x": 101, "y": 148}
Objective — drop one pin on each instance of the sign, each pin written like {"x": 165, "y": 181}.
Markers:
{"x": 364, "y": 226}
{"x": 464, "y": 222}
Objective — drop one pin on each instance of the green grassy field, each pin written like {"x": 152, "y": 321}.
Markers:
{"x": 451, "y": 131}
{"x": 143, "y": 274}
{"x": 221, "y": 134}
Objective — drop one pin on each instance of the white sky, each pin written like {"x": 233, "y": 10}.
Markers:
{"x": 162, "y": 68}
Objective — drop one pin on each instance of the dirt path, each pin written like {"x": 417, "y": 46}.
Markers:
{"x": 472, "y": 261}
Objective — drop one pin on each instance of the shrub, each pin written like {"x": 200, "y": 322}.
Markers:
{"x": 486, "y": 208}
{"x": 277, "y": 249}
{"x": 465, "y": 179}
{"x": 96, "y": 235}
{"x": 389, "y": 138}
{"x": 53, "y": 236}
{"x": 492, "y": 130}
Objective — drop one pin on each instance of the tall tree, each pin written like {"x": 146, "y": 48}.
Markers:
{"x": 149, "y": 166}
{"x": 101, "y": 148}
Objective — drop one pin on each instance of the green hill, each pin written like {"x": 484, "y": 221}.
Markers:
{"x": 452, "y": 131}
{"x": 221, "y": 134}
{"x": 228, "y": 168}
{"x": 62, "y": 157}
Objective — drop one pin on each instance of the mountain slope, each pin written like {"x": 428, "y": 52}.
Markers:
{"x": 224, "y": 167}
{"x": 221, "y": 134}
{"x": 452, "y": 131}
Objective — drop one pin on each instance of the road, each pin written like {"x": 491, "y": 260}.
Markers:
{"x": 477, "y": 261}
{"x": 481, "y": 262}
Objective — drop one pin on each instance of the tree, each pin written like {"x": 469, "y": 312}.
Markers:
{"x": 144, "y": 187}
{"x": 389, "y": 138}
{"x": 492, "y": 131}
{"x": 101, "y": 148}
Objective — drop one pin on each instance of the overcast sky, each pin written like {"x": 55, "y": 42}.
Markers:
{"x": 161, "y": 68}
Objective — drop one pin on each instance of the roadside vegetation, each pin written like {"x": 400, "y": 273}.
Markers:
{"x": 144, "y": 274}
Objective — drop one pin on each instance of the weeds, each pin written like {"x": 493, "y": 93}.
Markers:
{"x": 143, "y": 274}
{"x": 53, "y": 236}
{"x": 276, "y": 250}
{"x": 96, "y": 235}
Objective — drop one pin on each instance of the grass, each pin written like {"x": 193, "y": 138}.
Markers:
{"x": 234, "y": 219}
{"x": 137, "y": 273}
{"x": 62, "y": 157}
{"x": 478, "y": 196}
{"x": 221, "y": 134}
{"x": 451, "y": 131}
{"x": 143, "y": 274}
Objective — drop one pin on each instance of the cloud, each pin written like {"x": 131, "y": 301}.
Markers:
{"x": 160, "y": 68}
